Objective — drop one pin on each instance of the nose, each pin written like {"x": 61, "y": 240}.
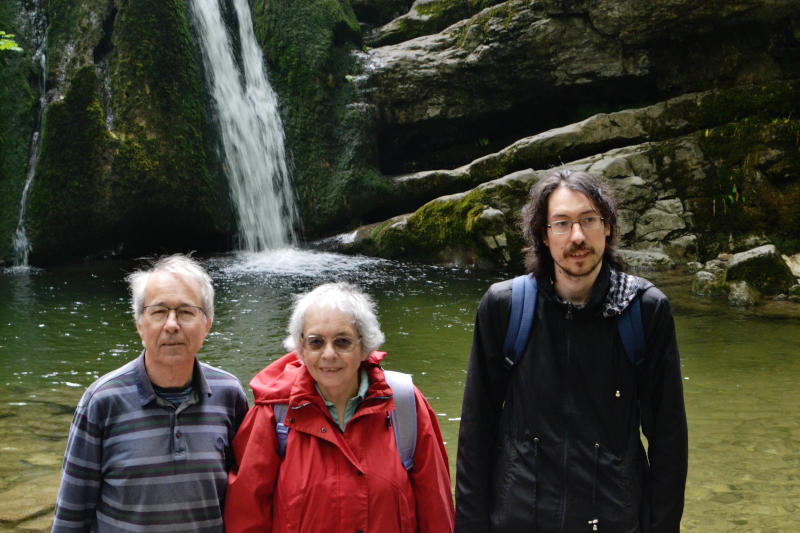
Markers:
{"x": 172, "y": 320}
{"x": 576, "y": 235}
{"x": 328, "y": 351}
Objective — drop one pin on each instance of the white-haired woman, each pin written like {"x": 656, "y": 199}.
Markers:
{"x": 340, "y": 470}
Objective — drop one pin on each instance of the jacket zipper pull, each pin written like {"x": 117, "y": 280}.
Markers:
{"x": 388, "y": 420}
{"x": 594, "y": 524}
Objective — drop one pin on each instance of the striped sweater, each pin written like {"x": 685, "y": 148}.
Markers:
{"x": 136, "y": 463}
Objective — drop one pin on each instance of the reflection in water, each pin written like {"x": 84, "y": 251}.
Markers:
{"x": 61, "y": 330}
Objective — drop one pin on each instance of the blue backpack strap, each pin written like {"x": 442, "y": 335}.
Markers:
{"x": 281, "y": 430}
{"x": 404, "y": 415}
{"x": 523, "y": 309}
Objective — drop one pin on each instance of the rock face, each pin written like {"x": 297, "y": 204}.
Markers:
{"x": 688, "y": 107}
{"x": 127, "y": 158}
{"x": 522, "y": 66}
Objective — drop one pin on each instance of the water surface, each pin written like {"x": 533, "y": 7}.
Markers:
{"x": 61, "y": 329}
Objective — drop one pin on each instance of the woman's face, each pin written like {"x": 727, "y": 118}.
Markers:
{"x": 332, "y": 351}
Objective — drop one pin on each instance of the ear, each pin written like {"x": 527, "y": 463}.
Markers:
{"x": 545, "y": 238}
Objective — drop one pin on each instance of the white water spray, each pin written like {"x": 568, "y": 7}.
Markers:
{"x": 20, "y": 244}
{"x": 251, "y": 129}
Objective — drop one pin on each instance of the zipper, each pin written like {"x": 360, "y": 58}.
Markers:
{"x": 536, "y": 478}
{"x": 594, "y": 523}
{"x": 565, "y": 444}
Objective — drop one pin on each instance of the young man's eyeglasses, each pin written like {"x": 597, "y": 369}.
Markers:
{"x": 590, "y": 223}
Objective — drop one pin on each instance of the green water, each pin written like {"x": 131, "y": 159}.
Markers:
{"x": 61, "y": 329}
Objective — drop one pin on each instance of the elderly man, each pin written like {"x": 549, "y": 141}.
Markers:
{"x": 552, "y": 443}
{"x": 149, "y": 446}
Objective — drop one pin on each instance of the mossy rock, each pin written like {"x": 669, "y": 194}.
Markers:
{"x": 329, "y": 135}
{"x": 762, "y": 268}
{"x": 462, "y": 228}
{"x": 17, "y": 115}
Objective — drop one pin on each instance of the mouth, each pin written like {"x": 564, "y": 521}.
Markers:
{"x": 329, "y": 370}
{"x": 579, "y": 253}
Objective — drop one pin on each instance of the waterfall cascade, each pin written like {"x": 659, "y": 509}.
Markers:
{"x": 250, "y": 127}
{"x": 20, "y": 244}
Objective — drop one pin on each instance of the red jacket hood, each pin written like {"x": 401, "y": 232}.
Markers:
{"x": 274, "y": 383}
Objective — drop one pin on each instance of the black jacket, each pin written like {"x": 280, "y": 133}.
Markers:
{"x": 554, "y": 445}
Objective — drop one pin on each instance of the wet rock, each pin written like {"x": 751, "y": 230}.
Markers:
{"x": 30, "y": 499}
{"x": 793, "y": 263}
{"x": 707, "y": 283}
{"x": 647, "y": 259}
{"x": 741, "y": 294}
{"x": 762, "y": 268}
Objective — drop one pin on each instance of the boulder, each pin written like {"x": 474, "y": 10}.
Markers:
{"x": 741, "y": 294}
{"x": 793, "y": 263}
{"x": 707, "y": 283}
{"x": 762, "y": 268}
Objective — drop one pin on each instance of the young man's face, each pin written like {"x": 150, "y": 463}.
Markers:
{"x": 578, "y": 253}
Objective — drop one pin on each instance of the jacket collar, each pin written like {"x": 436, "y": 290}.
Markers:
{"x": 612, "y": 292}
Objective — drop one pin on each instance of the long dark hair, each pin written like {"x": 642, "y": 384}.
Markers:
{"x": 534, "y": 216}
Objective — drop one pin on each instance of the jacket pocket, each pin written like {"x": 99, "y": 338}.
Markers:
{"x": 514, "y": 483}
{"x": 618, "y": 491}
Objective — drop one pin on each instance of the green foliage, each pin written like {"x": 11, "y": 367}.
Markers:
{"x": 17, "y": 116}
{"x": 69, "y": 191}
{"x": 7, "y": 43}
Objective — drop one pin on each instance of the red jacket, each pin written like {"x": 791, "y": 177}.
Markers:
{"x": 332, "y": 481}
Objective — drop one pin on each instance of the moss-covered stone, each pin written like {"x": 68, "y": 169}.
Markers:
{"x": 18, "y": 95}
{"x": 309, "y": 46}
{"x": 144, "y": 182}
{"x": 68, "y": 196}
{"x": 762, "y": 268}
{"x": 454, "y": 228}
{"x": 164, "y": 171}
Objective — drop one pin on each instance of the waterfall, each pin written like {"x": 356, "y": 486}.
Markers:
{"x": 250, "y": 128}
{"x": 20, "y": 244}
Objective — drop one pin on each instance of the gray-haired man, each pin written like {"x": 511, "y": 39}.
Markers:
{"x": 149, "y": 446}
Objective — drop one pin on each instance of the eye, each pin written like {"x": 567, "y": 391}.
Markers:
{"x": 187, "y": 312}
{"x": 560, "y": 224}
{"x": 342, "y": 343}
{"x": 315, "y": 343}
{"x": 589, "y": 221}
{"x": 157, "y": 312}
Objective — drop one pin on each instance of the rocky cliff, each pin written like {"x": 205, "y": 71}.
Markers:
{"x": 390, "y": 105}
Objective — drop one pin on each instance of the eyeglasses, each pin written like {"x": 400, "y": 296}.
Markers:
{"x": 342, "y": 345}
{"x": 590, "y": 223}
{"x": 184, "y": 314}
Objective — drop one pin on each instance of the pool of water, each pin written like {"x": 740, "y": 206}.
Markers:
{"x": 62, "y": 328}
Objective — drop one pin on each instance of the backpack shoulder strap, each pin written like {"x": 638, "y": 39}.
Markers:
{"x": 523, "y": 309}
{"x": 631, "y": 329}
{"x": 281, "y": 429}
{"x": 404, "y": 415}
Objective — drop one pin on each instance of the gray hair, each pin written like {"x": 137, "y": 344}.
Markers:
{"x": 181, "y": 265}
{"x": 343, "y": 297}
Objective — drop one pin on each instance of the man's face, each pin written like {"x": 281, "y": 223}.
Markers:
{"x": 578, "y": 253}
{"x": 173, "y": 341}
